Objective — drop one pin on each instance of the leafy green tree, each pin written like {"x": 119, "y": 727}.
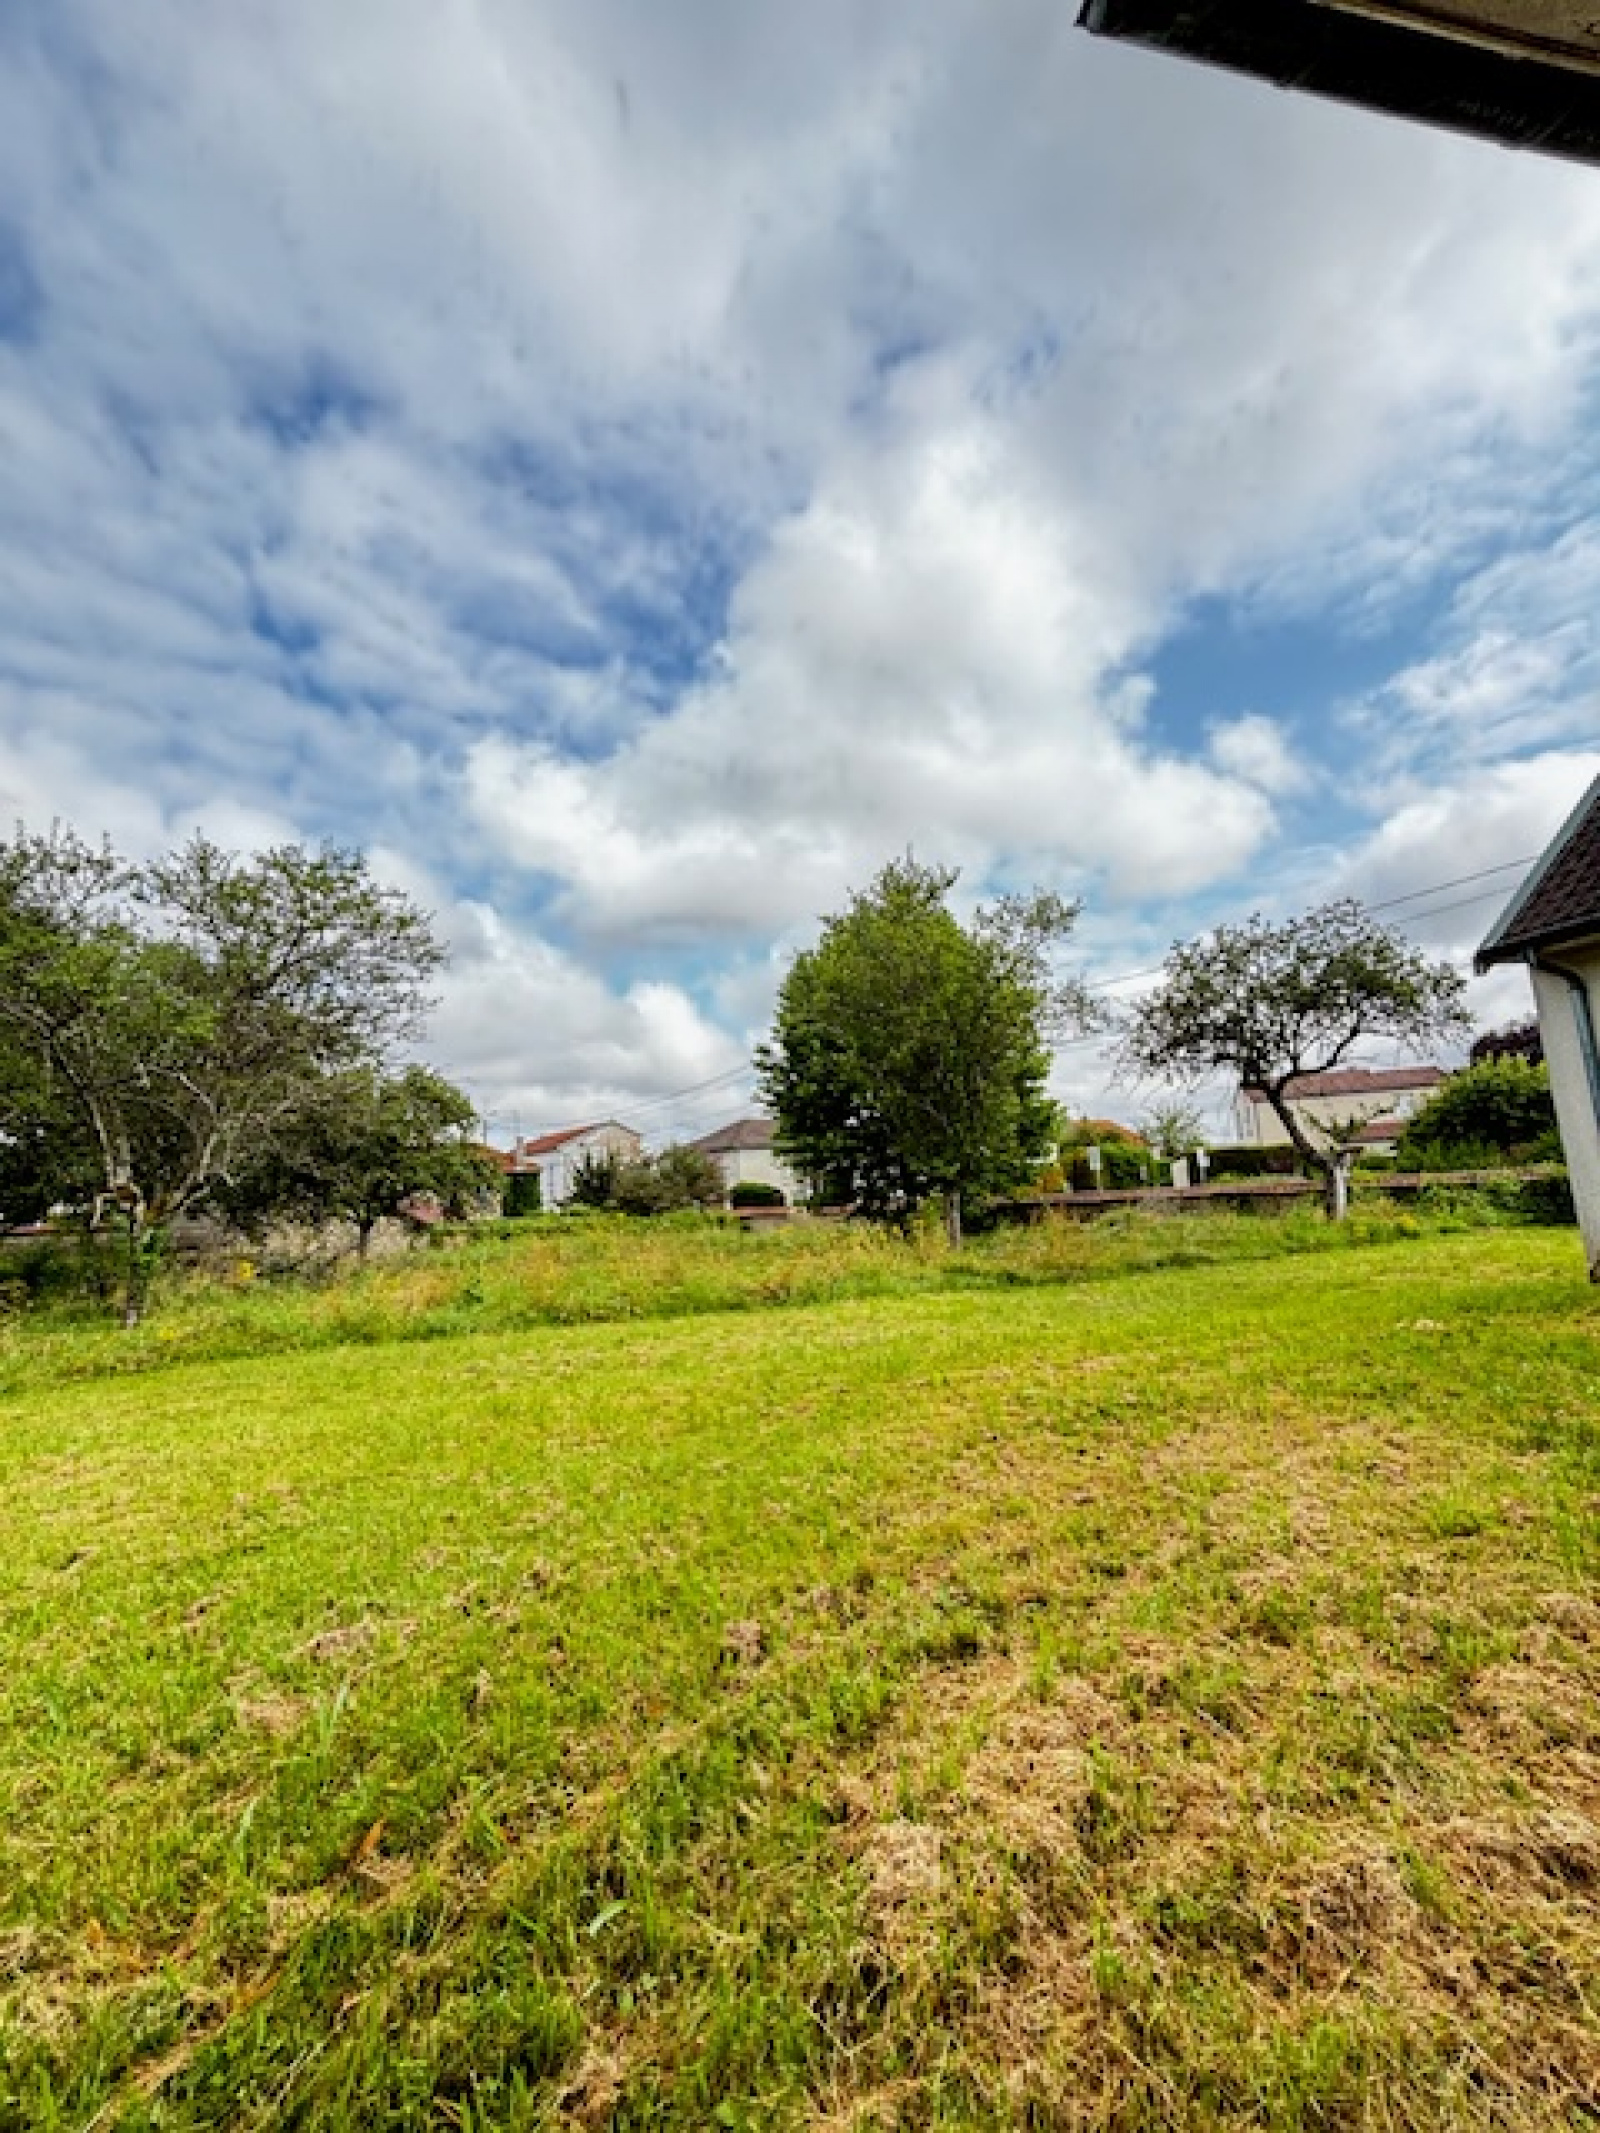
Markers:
{"x": 594, "y": 1179}
{"x": 1518, "y": 1040}
{"x": 683, "y": 1177}
{"x": 169, "y": 1019}
{"x": 362, "y": 1149}
{"x": 908, "y": 1056}
{"x": 677, "y": 1178}
{"x": 523, "y": 1194}
{"x": 1270, "y": 1003}
{"x": 1500, "y": 1109}
{"x": 1173, "y": 1129}
{"x": 1125, "y": 1156}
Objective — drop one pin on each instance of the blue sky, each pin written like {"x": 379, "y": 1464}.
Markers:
{"x": 635, "y": 469}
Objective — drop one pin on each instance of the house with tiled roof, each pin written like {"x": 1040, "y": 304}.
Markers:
{"x": 557, "y": 1157}
{"x": 1346, "y": 1102}
{"x": 1553, "y": 925}
{"x": 744, "y": 1153}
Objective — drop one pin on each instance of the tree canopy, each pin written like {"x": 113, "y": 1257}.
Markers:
{"x": 366, "y": 1146}
{"x": 161, "y": 1023}
{"x": 675, "y": 1179}
{"x": 908, "y": 1056}
{"x": 1270, "y": 1002}
{"x": 1499, "y": 1110}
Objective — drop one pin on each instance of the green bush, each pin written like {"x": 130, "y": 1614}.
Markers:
{"x": 750, "y": 1192}
{"x": 1546, "y": 1199}
{"x": 1499, "y": 1109}
{"x": 59, "y": 1269}
{"x": 1249, "y": 1160}
{"x": 524, "y": 1195}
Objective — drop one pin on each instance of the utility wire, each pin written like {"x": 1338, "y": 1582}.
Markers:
{"x": 1128, "y": 977}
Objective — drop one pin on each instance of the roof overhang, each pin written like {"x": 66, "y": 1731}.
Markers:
{"x": 1558, "y": 904}
{"x": 1522, "y": 72}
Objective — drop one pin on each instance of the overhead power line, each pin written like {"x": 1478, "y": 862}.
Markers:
{"x": 1128, "y": 977}
{"x": 1458, "y": 881}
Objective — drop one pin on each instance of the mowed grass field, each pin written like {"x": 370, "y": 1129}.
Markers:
{"x": 988, "y": 1699}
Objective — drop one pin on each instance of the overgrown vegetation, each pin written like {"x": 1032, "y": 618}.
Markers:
{"x": 590, "y": 1268}
{"x": 1499, "y": 1110}
{"x": 994, "y": 1701}
{"x": 672, "y": 1181}
{"x": 203, "y": 1025}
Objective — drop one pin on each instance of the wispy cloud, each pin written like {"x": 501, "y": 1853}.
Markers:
{"x": 637, "y": 468}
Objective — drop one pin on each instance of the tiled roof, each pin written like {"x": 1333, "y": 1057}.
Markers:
{"x": 1358, "y": 1081}
{"x": 1560, "y": 900}
{"x": 1377, "y": 1130}
{"x": 743, "y": 1133}
{"x": 547, "y": 1143}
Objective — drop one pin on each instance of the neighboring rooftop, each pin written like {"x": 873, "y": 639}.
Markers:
{"x": 743, "y": 1133}
{"x": 1524, "y": 72}
{"x": 548, "y": 1143}
{"x": 1560, "y": 900}
{"x": 1358, "y": 1081}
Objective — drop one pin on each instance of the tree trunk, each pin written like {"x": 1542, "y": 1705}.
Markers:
{"x": 952, "y": 1219}
{"x": 363, "y": 1239}
{"x": 136, "y": 1287}
{"x": 1335, "y": 1169}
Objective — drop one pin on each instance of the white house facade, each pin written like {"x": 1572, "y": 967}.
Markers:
{"x": 1553, "y": 925}
{"x": 1349, "y": 1103}
{"x": 744, "y": 1153}
{"x": 556, "y": 1157}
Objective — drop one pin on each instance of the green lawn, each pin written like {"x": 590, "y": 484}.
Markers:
{"x": 1001, "y": 1700}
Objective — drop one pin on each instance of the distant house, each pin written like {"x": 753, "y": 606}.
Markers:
{"x": 1335, "y": 1104}
{"x": 1553, "y": 925}
{"x": 557, "y": 1157}
{"x": 744, "y": 1154}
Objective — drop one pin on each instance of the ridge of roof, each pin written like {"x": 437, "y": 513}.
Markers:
{"x": 739, "y": 1133}
{"x": 547, "y": 1143}
{"x": 1355, "y": 1081}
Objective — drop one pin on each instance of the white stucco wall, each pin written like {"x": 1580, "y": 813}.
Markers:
{"x": 757, "y": 1166}
{"x": 1569, "y": 1084}
{"x": 558, "y": 1169}
{"x": 1329, "y": 1114}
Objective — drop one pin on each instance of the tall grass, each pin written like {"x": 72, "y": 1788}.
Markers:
{"x": 595, "y": 1270}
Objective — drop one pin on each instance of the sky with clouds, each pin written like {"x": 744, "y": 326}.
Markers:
{"x": 634, "y": 469}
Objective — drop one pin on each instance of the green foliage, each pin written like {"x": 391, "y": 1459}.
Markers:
{"x": 751, "y": 1192}
{"x": 363, "y": 1147}
{"x": 523, "y": 1195}
{"x": 1519, "y": 1040}
{"x": 679, "y": 1177}
{"x": 1498, "y": 1111}
{"x": 676, "y": 1179}
{"x": 1250, "y": 1160}
{"x": 594, "y": 1179}
{"x": 1269, "y": 1003}
{"x": 161, "y": 1025}
{"x": 1126, "y": 1160}
{"x": 908, "y": 1055}
{"x": 1174, "y": 1128}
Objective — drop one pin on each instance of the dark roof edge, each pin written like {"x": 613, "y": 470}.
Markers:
{"x": 1501, "y": 943}
{"x": 1372, "y": 62}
